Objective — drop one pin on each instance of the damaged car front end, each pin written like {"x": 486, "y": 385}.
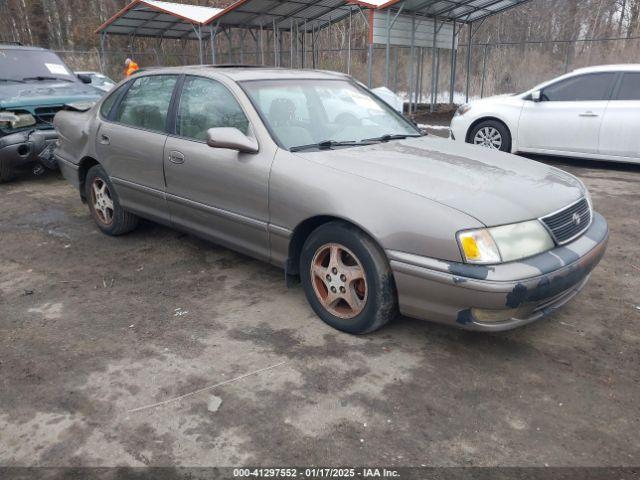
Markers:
{"x": 34, "y": 85}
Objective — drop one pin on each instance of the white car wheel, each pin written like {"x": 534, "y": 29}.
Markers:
{"x": 488, "y": 137}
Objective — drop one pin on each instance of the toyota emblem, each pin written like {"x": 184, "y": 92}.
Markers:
{"x": 576, "y": 218}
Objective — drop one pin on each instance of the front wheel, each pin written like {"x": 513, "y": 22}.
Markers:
{"x": 347, "y": 279}
{"x": 491, "y": 134}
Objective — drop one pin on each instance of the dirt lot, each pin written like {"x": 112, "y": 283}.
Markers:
{"x": 94, "y": 328}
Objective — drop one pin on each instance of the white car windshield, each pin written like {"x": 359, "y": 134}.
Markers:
{"x": 307, "y": 114}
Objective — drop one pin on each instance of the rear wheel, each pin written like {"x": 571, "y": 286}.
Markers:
{"x": 104, "y": 205}
{"x": 491, "y": 134}
{"x": 347, "y": 279}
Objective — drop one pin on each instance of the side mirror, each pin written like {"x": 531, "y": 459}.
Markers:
{"x": 536, "y": 96}
{"x": 84, "y": 78}
{"x": 232, "y": 139}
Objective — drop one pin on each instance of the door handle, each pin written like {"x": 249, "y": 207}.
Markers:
{"x": 588, "y": 113}
{"x": 176, "y": 157}
{"x": 104, "y": 140}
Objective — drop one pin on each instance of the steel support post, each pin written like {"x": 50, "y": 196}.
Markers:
{"x": 484, "y": 70}
{"x": 229, "y": 43}
{"x": 432, "y": 107}
{"x": 395, "y": 69}
{"x": 275, "y": 44}
{"x": 411, "y": 55}
{"x": 349, "y": 45}
{"x": 243, "y": 33}
{"x": 454, "y": 59}
{"x": 200, "y": 49}
{"x": 419, "y": 77}
{"x": 102, "y": 59}
{"x": 212, "y": 39}
{"x": 388, "y": 49}
{"x": 261, "y": 44}
{"x": 304, "y": 45}
{"x": 469, "y": 48}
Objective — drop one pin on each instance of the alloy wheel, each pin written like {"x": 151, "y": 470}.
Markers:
{"x": 102, "y": 201}
{"x": 339, "y": 280}
{"x": 488, "y": 137}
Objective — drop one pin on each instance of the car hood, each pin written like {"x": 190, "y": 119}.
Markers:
{"x": 38, "y": 94}
{"x": 494, "y": 187}
{"x": 506, "y": 99}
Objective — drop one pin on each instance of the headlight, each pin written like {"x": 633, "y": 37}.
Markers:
{"x": 505, "y": 243}
{"x": 16, "y": 120}
{"x": 462, "y": 109}
{"x": 587, "y": 194}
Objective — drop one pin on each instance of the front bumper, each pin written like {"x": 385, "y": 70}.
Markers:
{"x": 497, "y": 297}
{"x": 28, "y": 147}
{"x": 459, "y": 127}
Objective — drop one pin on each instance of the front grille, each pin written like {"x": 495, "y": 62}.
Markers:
{"x": 46, "y": 114}
{"x": 570, "y": 222}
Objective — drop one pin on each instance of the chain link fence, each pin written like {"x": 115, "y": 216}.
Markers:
{"x": 496, "y": 68}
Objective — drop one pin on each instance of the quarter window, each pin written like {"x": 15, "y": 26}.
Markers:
{"x": 595, "y": 86}
{"x": 146, "y": 104}
{"x": 206, "y": 104}
{"x": 630, "y": 87}
{"x": 107, "y": 105}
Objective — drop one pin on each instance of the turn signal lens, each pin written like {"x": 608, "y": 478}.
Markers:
{"x": 478, "y": 246}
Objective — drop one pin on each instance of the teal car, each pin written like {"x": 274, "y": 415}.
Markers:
{"x": 34, "y": 85}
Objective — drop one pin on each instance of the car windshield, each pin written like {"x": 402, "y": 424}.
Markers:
{"x": 19, "y": 64}
{"x": 100, "y": 80}
{"x": 319, "y": 114}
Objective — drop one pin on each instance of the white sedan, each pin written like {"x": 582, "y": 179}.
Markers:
{"x": 591, "y": 113}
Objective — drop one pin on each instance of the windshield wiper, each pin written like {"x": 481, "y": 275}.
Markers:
{"x": 11, "y": 80}
{"x": 388, "y": 136}
{"x": 42, "y": 78}
{"x": 327, "y": 144}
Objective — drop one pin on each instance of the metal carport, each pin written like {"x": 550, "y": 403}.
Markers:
{"x": 159, "y": 19}
{"x": 452, "y": 13}
{"x": 417, "y": 23}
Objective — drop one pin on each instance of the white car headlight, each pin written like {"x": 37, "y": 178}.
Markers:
{"x": 462, "y": 109}
{"x": 505, "y": 243}
{"x": 16, "y": 120}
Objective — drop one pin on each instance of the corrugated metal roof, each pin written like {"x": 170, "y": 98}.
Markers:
{"x": 459, "y": 10}
{"x": 154, "y": 18}
{"x": 301, "y": 14}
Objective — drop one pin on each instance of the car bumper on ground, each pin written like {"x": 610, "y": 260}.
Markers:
{"x": 28, "y": 147}
{"x": 497, "y": 297}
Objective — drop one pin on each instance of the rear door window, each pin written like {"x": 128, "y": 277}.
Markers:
{"x": 629, "y": 87}
{"x": 146, "y": 104}
{"x": 590, "y": 87}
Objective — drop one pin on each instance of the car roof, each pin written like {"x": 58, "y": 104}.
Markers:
{"x": 623, "y": 67}
{"x": 246, "y": 72}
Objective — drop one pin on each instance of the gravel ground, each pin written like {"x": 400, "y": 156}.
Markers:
{"x": 96, "y": 331}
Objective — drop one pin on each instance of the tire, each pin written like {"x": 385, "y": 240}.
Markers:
{"x": 487, "y": 132}
{"x": 104, "y": 204}
{"x": 6, "y": 174}
{"x": 373, "y": 296}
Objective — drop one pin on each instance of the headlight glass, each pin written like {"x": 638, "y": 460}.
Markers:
{"x": 478, "y": 246}
{"x": 462, "y": 109}
{"x": 505, "y": 243}
{"x": 16, "y": 120}
{"x": 521, "y": 240}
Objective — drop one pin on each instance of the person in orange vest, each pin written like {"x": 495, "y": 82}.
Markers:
{"x": 130, "y": 67}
